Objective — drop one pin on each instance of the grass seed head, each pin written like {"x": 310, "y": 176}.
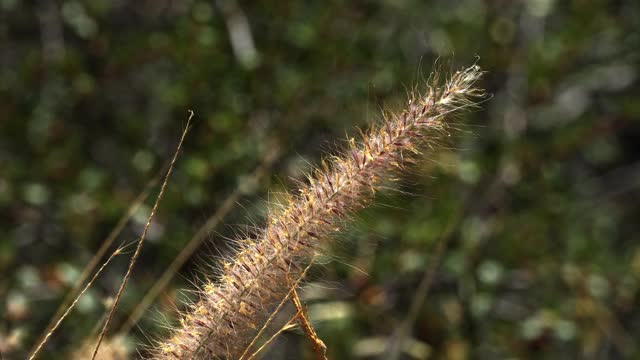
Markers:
{"x": 226, "y": 318}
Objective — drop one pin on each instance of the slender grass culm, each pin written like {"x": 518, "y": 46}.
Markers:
{"x": 231, "y": 311}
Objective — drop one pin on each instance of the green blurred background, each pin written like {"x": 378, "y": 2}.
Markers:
{"x": 534, "y": 203}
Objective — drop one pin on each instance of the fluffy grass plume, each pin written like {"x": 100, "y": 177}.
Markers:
{"x": 232, "y": 309}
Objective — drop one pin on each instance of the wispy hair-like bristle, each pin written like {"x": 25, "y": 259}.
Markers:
{"x": 232, "y": 309}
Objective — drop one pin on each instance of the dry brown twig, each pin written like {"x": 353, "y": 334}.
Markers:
{"x": 142, "y": 238}
{"x": 285, "y": 327}
{"x": 74, "y": 294}
{"x": 273, "y": 314}
{"x": 420, "y": 294}
{"x": 73, "y": 304}
{"x": 318, "y": 346}
{"x": 195, "y": 243}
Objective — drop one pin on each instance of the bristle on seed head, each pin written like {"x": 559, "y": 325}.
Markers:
{"x": 229, "y": 312}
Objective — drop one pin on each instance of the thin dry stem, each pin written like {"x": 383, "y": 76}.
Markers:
{"x": 194, "y": 244}
{"x": 318, "y": 346}
{"x": 142, "y": 238}
{"x": 277, "y": 309}
{"x": 420, "y": 294}
{"x": 273, "y": 337}
{"x": 73, "y": 304}
{"x": 113, "y": 348}
{"x": 91, "y": 265}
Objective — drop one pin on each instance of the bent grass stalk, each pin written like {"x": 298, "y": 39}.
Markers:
{"x": 229, "y": 313}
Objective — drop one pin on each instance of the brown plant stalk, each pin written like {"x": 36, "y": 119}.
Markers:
{"x": 140, "y": 242}
{"x": 231, "y": 311}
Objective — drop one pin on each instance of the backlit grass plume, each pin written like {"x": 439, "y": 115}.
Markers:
{"x": 260, "y": 274}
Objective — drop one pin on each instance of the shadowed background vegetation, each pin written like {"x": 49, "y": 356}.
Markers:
{"x": 535, "y": 202}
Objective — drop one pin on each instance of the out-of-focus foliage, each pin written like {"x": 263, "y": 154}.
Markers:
{"x": 536, "y": 197}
